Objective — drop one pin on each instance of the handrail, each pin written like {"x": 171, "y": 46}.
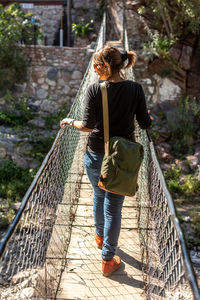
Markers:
{"x": 16, "y": 219}
{"x": 145, "y": 217}
{"x": 39, "y": 234}
{"x": 190, "y": 271}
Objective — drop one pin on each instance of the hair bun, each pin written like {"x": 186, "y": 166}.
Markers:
{"x": 124, "y": 55}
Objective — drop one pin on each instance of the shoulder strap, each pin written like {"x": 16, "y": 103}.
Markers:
{"x": 105, "y": 117}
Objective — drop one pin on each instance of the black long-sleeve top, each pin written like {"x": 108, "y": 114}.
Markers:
{"x": 125, "y": 99}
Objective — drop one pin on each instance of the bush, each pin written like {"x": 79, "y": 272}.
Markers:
{"x": 16, "y": 112}
{"x": 183, "y": 123}
{"x": 81, "y": 30}
{"x": 14, "y": 181}
{"x": 158, "y": 46}
{"x": 187, "y": 188}
{"x": 6, "y": 216}
{"x": 40, "y": 148}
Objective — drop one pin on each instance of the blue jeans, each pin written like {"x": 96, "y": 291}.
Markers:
{"x": 107, "y": 207}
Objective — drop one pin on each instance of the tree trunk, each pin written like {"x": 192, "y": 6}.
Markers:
{"x": 163, "y": 17}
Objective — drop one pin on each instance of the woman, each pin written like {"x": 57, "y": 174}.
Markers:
{"x": 125, "y": 99}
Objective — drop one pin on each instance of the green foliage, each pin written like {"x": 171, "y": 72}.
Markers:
{"x": 167, "y": 71}
{"x": 183, "y": 124}
{"x": 141, "y": 10}
{"x": 172, "y": 177}
{"x": 187, "y": 20}
{"x": 185, "y": 188}
{"x": 81, "y": 30}
{"x": 195, "y": 219}
{"x": 158, "y": 46}
{"x": 191, "y": 184}
{"x": 12, "y": 187}
{"x": 15, "y": 26}
{"x": 40, "y": 148}
{"x": 14, "y": 182}
{"x": 182, "y": 16}
{"x": 6, "y": 216}
{"x": 154, "y": 135}
{"x": 16, "y": 111}
{"x": 173, "y": 174}
{"x": 194, "y": 239}
{"x": 174, "y": 186}
{"x": 54, "y": 118}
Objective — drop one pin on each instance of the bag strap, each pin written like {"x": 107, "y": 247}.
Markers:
{"x": 105, "y": 117}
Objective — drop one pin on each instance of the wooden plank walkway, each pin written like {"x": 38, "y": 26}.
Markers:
{"x": 82, "y": 277}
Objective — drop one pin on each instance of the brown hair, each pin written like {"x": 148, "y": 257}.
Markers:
{"x": 113, "y": 59}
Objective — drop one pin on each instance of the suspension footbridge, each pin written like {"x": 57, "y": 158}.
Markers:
{"x": 49, "y": 252}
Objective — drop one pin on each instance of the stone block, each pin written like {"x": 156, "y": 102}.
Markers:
{"x": 41, "y": 93}
{"x": 186, "y": 55}
{"x": 146, "y": 80}
{"x": 151, "y": 89}
{"x": 20, "y": 161}
{"x": 61, "y": 82}
{"x": 40, "y": 80}
{"x": 45, "y": 86}
{"x": 49, "y": 106}
{"x": 2, "y": 101}
{"x": 2, "y": 152}
{"x": 27, "y": 293}
{"x": 66, "y": 89}
{"x": 38, "y": 122}
{"x": 175, "y": 52}
{"x": 77, "y": 75}
{"x": 50, "y": 82}
{"x": 168, "y": 90}
{"x": 52, "y": 74}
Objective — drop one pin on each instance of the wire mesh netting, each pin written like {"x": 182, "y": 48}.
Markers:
{"x": 166, "y": 265}
{"x": 34, "y": 254}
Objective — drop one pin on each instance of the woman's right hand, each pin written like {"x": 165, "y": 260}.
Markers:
{"x": 151, "y": 117}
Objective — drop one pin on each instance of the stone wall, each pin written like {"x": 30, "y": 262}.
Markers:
{"x": 55, "y": 73}
{"x": 50, "y": 16}
{"x": 54, "y": 77}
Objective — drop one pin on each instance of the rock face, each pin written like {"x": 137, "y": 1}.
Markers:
{"x": 183, "y": 70}
{"x": 25, "y": 285}
{"x": 168, "y": 90}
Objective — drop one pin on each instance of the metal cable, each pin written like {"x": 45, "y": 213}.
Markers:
{"x": 34, "y": 248}
{"x": 167, "y": 269}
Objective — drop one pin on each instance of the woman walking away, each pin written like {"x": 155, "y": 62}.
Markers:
{"x": 125, "y": 99}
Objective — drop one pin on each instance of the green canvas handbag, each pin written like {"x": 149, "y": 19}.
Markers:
{"x": 122, "y": 159}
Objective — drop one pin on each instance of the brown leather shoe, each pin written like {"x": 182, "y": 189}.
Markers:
{"x": 109, "y": 266}
{"x": 98, "y": 240}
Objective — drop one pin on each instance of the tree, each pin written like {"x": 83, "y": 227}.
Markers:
{"x": 180, "y": 17}
{"x": 15, "y": 28}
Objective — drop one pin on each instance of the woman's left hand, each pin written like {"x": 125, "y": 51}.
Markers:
{"x": 65, "y": 121}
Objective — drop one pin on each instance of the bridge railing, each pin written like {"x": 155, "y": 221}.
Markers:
{"x": 34, "y": 248}
{"x": 167, "y": 270}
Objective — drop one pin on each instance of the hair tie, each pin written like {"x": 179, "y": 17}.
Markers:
{"x": 124, "y": 55}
